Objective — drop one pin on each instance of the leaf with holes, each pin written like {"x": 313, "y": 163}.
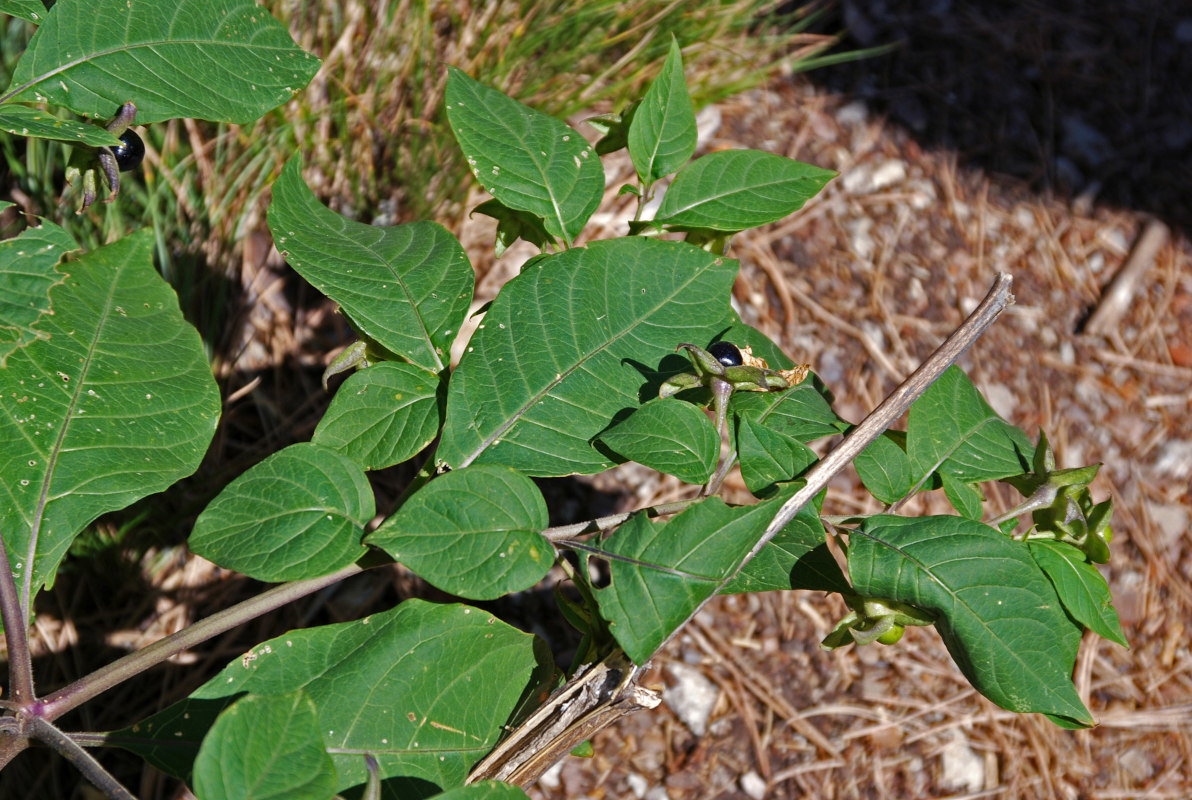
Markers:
{"x": 27, "y": 273}
{"x": 25, "y": 121}
{"x": 528, "y": 160}
{"x": 218, "y": 60}
{"x": 115, "y": 403}
{"x": 30, "y": 10}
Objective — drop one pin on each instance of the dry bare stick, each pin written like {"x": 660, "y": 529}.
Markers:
{"x": 604, "y": 692}
{"x": 890, "y": 409}
{"x": 1121, "y": 290}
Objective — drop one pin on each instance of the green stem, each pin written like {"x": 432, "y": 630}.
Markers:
{"x": 1043, "y": 497}
{"x": 83, "y": 761}
{"x": 133, "y": 664}
{"x": 717, "y": 480}
{"x": 16, "y": 636}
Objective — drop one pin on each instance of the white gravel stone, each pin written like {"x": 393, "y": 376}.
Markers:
{"x": 753, "y": 785}
{"x": 962, "y": 768}
{"x": 692, "y": 697}
{"x": 638, "y": 784}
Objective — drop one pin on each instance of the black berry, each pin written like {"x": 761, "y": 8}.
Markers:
{"x": 726, "y": 353}
{"x": 130, "y": 152}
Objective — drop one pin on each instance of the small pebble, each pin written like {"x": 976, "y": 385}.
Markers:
{"x": 691, "y": 697}
{"x": 753, "y": 785}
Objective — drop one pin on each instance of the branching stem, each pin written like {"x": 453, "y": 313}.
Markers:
{"x": 133, "y": 664}
{"x": 890, "y": 409}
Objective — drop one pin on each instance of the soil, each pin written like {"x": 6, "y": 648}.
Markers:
{"x": 1051, "y": 144}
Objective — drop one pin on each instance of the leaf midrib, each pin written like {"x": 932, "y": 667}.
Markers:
{"x": 536, "y": 398}
{"x": 956, "y": 600}
{"x": 52, "y": 455}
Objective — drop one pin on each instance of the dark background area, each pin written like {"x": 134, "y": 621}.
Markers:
{"x": 1089, "y": 100}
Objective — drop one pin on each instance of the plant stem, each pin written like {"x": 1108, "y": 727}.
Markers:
{"x": 890, "y": 409}
{"x": 16, "y": 635}
{"x": 717, "y": 480}
{"x": 562, "y": 532}
{"x": 133, "y": 664}
{"x": 83, "y": 761}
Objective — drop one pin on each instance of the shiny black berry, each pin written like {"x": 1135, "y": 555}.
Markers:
{"x": 726, "y": 353}
{"x": 130, "y": 152}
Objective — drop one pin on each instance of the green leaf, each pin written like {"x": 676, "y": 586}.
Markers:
{"x": 474, "y": 532}
{"x": 484, "y": 790}
{"x": 1081, "y": 587}
{"x": 27, "y": 274}
{"x": 526, "y": 159}
{"x": 402, "y": 685}
{"x": 266, "y": 747}
{"x": 116, "y": 403}
{"x": 672, "y": 568}
{"x": 218, "y": 60}
{"x": 571, "y": 342}
{"x": 406, "y": 287}
{"x": 796, "y": 558}
{"x": 997, "y": 612}
{"x": 25, "y": 121}
{"x": 964, "y": 497}
{"x": 298, "y": 514}
{"x": 513, "y": 225}
{"x": 953, "y": 431}
{"x": 884, "y": 468}
{"x": 614, "y": 133}
{"x": 732, "y": 190}
{"x": 769, "y": 457}
{"x": 170, "y": 739}
{"x": 662, "y": 133}
{"x": 383, "y": 415}
{"x": 802, "y": 412}
{"x": 668, "y": 435}
{"x": 29, "y": 10}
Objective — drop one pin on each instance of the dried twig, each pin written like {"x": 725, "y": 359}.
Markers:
{"x": 1121, "y": 290}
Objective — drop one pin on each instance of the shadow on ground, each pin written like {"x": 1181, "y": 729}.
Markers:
{"x": 1089, "y": 100}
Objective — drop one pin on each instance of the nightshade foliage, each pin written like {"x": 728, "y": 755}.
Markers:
{"x": 107, "y": 397}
